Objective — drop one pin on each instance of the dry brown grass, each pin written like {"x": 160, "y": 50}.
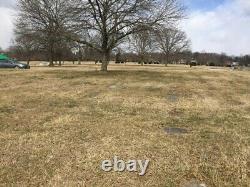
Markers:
{"x": 58, "y": 124}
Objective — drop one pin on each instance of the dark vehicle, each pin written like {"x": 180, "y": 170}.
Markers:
{"x": 156, "y": 62}
{"x": 4, "y": 63}
{"x": 211, "y": 64}
{"x": 119, "y": 62}
{"x": 193, "y": 63}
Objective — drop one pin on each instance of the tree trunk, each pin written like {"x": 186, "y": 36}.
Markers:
{"x": 142, "y": 59}
{"x": 28, "y": 61}
{"x": 79, "y": 56}
{"x": 51, "y": 63}
{"x": 105, "y": 62}
{"x": 104, "y": 66}
{"x": 167, "y": 60}
{"x": 51, "y": 54}
{"x": 51, "y": 60}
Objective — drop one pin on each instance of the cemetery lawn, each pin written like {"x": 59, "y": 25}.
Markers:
{"x": 58, "y": 124}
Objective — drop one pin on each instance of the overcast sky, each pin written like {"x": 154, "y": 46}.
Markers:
{"x": 212, "y": 25}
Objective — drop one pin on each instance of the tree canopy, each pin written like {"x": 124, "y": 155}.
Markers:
{"x": 99, "y": 24}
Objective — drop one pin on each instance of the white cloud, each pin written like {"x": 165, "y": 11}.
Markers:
{"x": 8, "y": 3}
{"x": 6, "y": 28}
{"x": 224, "y": 29}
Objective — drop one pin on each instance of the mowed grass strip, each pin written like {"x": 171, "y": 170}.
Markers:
{"x": 58, "y": 124}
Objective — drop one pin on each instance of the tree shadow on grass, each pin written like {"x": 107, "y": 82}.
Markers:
{"x": 134, "y": 75}
{"x": 70, "y": 74}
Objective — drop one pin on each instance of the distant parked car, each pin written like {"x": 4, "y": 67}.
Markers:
{"x": 156, "y": 62}
{"x": 193, "y": 63}
{"x": 119, "y": 62}
{"x": 211, "y": 64}
{"x": 98, "y": 61}
{"x": 4, "y": 63}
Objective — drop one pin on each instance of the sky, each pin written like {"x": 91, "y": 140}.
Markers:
{"x": 219, "y": 26}
{"x": 212, "y": 25}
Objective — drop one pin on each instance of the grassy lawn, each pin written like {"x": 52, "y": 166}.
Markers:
{"x": 58, "y": 124}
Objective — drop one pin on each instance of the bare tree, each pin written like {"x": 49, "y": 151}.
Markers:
{"x": 172, "y": 41}
{"x": 104, "y": 24}
{"x": 142, "y": 43}
{"x": 45, "y": 20}
{"x": 26, "y": 43}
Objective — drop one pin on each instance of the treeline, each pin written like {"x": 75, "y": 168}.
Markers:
{"x": 214, "y": 59}
{"x": 88, "y": 54}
